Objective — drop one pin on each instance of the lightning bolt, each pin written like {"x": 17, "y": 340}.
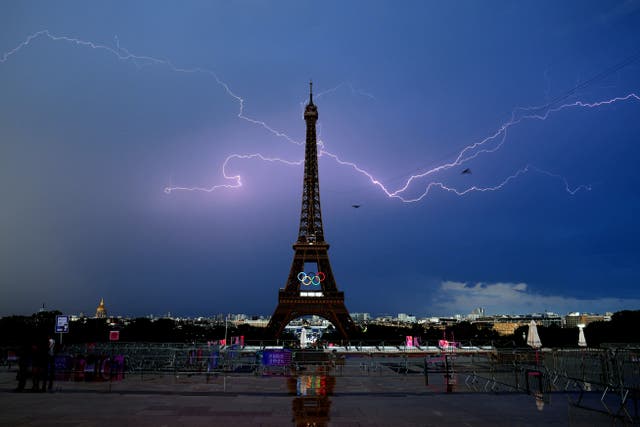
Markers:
{"x": 142, "y": 60}
{"x": 237, "y": 179}
{"x": 466, "y": 154}
{"x": 474, "y": 150}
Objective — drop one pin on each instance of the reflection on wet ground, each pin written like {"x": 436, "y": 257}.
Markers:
{"x": 457, "y": 374}
{"x": 311, "y": 405}
{"x": 358, "y": 390}
{"x": 448, "y": 374}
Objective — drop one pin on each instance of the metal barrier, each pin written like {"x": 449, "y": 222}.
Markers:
{"x": 612, "y": 373}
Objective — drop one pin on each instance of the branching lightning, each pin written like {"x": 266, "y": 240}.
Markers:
{"x": 236, "y": 178}
{"x": 488, "y": 145}
{"x": 472, "y": 151}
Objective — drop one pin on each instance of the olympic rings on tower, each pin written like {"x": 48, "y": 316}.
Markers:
{"x": 311, "y": 278}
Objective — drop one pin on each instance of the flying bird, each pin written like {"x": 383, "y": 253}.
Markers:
{"x": 355, "y": 206}
{"x": 467, "y": 171}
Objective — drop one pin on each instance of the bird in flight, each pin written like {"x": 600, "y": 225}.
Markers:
{"x": 355, "y": 206}
{"x": 467, "y": 171}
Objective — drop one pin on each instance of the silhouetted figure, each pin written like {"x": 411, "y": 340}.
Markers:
{"x": 467, "y": 171}
{"x": 49, "y": 365}
{"x": 38, "y": 362}
{"x": 24, "y": 366}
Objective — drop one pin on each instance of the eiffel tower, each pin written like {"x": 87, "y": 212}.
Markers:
{"x": 311, "y": 287}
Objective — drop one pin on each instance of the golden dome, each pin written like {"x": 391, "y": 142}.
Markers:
{"x": 101, "y": 311}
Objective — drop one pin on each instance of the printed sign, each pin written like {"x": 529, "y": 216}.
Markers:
{"x": 276, "y": 357}
{"x": 62, "y": 324}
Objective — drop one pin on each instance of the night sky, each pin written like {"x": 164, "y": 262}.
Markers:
{"x": 109, "y": 103}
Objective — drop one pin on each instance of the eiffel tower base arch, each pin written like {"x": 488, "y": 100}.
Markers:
{"x": 330, "y": 307}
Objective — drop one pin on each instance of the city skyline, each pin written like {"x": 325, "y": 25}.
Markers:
{"x": 382, "y": 314}
{"x": 442, "y": 188}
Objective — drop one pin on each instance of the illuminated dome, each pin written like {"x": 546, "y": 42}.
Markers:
{"x": 101, "y": 311}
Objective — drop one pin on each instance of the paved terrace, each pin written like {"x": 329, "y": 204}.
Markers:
{"x": 351, "y": 395}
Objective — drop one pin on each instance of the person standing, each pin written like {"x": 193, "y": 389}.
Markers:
{"x": 38, "y": 361}
{"x": 24, "y": 365}
{"x": 49, "y": 365}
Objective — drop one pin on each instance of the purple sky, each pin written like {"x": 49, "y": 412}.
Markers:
{"x": 109, "y": 103}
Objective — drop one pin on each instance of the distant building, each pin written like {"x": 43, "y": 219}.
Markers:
{"x": 548, "y": 319}
{"x": 258, "y": 323}
{"x": 406, "y": 318}
{"x": 440, "y": 322}
{"x": 360, "y": 317}
{"x": 476, "y": 314}
{"x": 101, "y": 311}
{"x": 507, "y": 324}
{"x": 507, "y": 328}
{"x": 572, "y": 320}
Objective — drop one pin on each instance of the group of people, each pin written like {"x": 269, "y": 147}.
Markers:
{"x": 37, "y": 362}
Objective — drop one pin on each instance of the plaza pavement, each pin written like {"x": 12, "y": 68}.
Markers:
{"x": 247, "y": 400}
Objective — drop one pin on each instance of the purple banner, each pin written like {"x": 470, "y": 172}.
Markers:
{"x": 276, "y": 357}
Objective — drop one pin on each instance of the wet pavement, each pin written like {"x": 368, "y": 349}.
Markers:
{"x": 309, "y": 398}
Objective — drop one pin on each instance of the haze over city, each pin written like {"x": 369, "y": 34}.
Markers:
{"x": 517, "y": 121}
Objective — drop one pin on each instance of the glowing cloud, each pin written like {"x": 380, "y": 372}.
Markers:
{"x": 510, "y": 298}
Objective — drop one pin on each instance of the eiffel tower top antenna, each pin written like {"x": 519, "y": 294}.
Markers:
{"x": 310, "y": 92}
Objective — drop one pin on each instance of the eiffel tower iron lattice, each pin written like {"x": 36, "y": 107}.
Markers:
{"x": 311, "y": 291}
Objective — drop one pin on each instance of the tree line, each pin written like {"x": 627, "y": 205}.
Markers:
{"x": 16, "y": 330}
